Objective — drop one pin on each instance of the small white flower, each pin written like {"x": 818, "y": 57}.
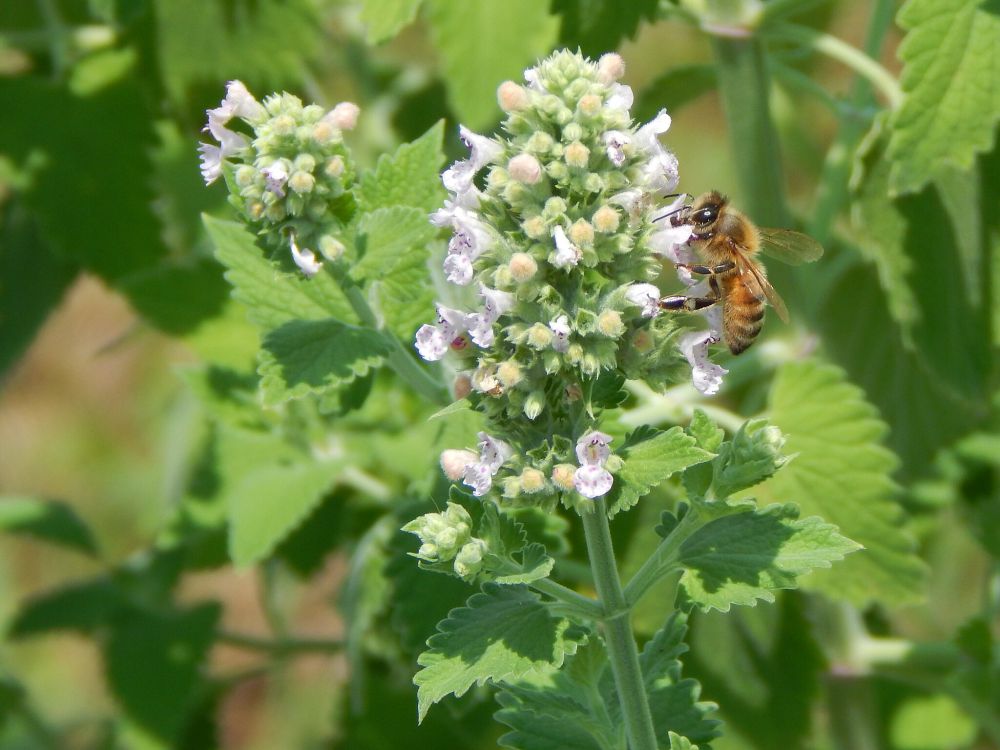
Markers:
{"x": 305, "y": 259}
{"x": 275, "y": 177}
{"x": 454, "y": 205}
{"x": 479, "y": 477}
{"x": 493, "y": 452}
{"x": 705, "y": 374}
{"x": 592, "y": 449}
{"x": 592, "y": 481}
{"x": 615, "y": 142}
{"x": 239, "y": 102}
{"x": 433, "y": 342}
{"x": 472, "y": 235}
{"x": 483, "y": 150}
{"x": 495, "y": 302}
{"x": 211, "y": 162}
{"x": 645, "y": 296}
{"x": 458, "y": 268}
{"x": 567, "y": 254}
{"x": 212, "y": 157}
{"x": 621, "y": 97}
{"x": 458, "y": 177}
{"x": 533, "y": 80}
{"x": 561, "y": 330}
{"x": 481, "y": 330}
{"x": 670, "y": 243}
{"x": 646, "y": 136}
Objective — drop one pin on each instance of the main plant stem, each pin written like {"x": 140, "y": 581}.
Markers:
{"x": 622, "y": 649}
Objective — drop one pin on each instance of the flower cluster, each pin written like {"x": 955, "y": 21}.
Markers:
{"x": 447, "y": 537}
{"x": 291, "y": 179}
{"x": 554, "y": 223}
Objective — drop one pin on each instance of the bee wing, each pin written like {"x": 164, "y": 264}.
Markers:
{"x": 760, "y": 286}
{"x": 789, "y": 247}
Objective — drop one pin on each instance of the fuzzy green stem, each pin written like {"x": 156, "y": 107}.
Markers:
{"x": 852, "y": 716}
{"x": 399, "y": 358}
{"x": 745, "y": 86}
{"x": 844, "y": 53}
{"x": 622, "y": 649}
{"x": 663, "y": 561}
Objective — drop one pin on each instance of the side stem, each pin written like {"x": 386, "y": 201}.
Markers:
{"x": 622, "y": 649}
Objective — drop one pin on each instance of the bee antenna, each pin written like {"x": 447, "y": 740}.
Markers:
{"x": 670, "y": 213}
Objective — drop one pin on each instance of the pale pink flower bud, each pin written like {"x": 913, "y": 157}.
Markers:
{"x": 454, "y": 462}
{"x": 525, "y": 168}
{"x": 511, "y": 96}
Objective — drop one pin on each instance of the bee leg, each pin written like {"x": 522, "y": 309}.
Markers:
{"x": 708, "y": 270}
{"x": 680, "y": 302}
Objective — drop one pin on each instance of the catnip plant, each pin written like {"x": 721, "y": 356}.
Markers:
{"x": 548, "y": 303}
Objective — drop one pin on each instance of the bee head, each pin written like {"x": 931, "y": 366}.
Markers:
{"x": 706, "y": 208}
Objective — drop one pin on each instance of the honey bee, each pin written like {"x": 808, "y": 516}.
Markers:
{"x": 728, "y": 242}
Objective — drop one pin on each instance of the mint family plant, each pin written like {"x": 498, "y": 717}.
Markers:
{"x": 549, "y": 306}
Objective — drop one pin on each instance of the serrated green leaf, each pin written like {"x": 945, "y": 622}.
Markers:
{"x": 48, "y": 520}
{"x": 843, "y": 474}
{"x": 746, "y": 556}
{"x": 535, "y": 564}
{"x": 303, "y": 357}
{"x": 673, "y": 700}
{"x": 951, "y": 81}
{"x": 154, "y": 665}
{"x": 649, "y": 461}
{"x": 272, "y": 296}
{"x": 569, "y": 709}
{"x": 407, "y": 177}
{"x": 520, "y": 31}
{"x": 707, "y": 434}
{"x": 503, "y": 633}
{"x": 386, "y": 236}
{"x": 383, "y": 19}
{"x": 599, "y": 26}
{"x": 406, "y": 295}
{"x": 82, "y": 607}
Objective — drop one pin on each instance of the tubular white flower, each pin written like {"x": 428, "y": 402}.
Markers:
{"x": 621, "y": 97}
{"x": 275, "y": 177}
{"x": 567, "y": 255}
{"x": 211, "y": 162}
{"x": 593, "y": 481}
{"x": 433, "y": 342}
{"x": 458, "y": 268}
{"x": 479, "y": 477}
{"x": 705, "y": 374}
{"x": 493, "y": 452}
{"x": 239, "y": 102}
{"x": 304, "y": 258}
{"x": 646, "y": 297}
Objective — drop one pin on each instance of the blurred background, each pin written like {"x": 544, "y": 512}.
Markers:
{"x": 108, "y": 288}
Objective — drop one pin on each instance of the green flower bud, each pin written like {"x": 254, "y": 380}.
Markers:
{"x": 469, "y": 560}
{"x": 534, "y": 404}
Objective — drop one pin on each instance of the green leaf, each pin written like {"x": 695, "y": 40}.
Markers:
{"x": 951, "y": 80}
{"x": 32, "y": 281}
{"x": 273, "y": 296}
{"x": 503, "y": 633}
{"x": 650, "y": 456}
{"x": 931, "y": 722}
{"x": 154, "y": 665}
{"x": 269, "y": 488}
{"x": 570, "y": 709}
{"x": 758, "y": 663}
{"x": 753, "y": 455}
{"x": 843, "y": 473}
{"x": 747, "y": 555}
{"x": 673, "y": 700}
{"x": 383, "y": 19}
{"x": 203, "y": 44}
{"x": 407, "y": 177}
{"x": 535, "y": 564}
{"x": 82, "y": 607}
{"x": 599, "y": 26}
{"x": 406, "y": 295}
{"x": 48, "y": 520}
{"x": 386, "y": 236}
{"x": 519, "y": 32}
{"x": 304, "y": 357}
